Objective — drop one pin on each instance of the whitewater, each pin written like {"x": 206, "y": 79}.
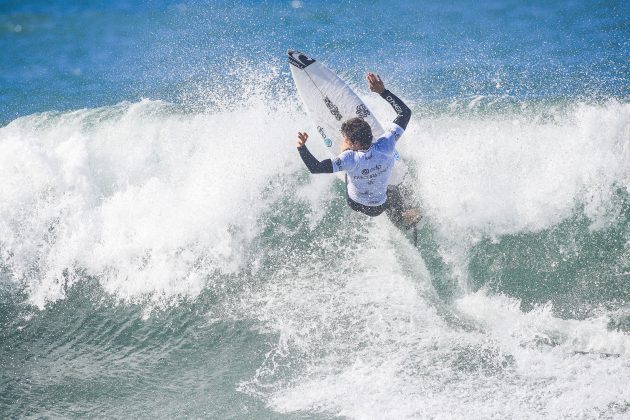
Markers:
{"x": 153, "y": 207}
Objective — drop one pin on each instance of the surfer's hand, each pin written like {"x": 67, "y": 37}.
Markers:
{"x": 302, "y": 137}
{"x": 375, "y": 83}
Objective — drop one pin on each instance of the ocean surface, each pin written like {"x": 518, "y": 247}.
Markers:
{"x": 164, "y": 253}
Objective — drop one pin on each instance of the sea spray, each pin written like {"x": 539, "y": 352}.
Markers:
{"x": 146, "y": 198}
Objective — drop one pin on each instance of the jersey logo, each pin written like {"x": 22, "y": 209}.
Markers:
{"x": 328, "y": 142}
{"x": 362, "y": 111}
{"x": 299, "y": 60}
{"x": 338, "y": 163}
{"x": 333, "y": 109}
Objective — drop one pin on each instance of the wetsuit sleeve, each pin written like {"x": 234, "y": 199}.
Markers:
{"x": 403, "y": 111}
{"x": 313, "y": 165}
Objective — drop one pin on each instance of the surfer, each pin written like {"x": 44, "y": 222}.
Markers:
{"x": 368, "y": 165}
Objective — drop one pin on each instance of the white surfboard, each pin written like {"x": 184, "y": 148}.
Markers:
{"x": 329, "y": 102}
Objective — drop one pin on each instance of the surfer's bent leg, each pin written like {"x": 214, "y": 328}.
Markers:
{"x": 396, "y": 206}
{"x": 402, "y": 209}
{"x": 314, "y": 165}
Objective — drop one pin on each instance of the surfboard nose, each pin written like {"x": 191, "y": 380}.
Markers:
{"x": 299, "y": 59}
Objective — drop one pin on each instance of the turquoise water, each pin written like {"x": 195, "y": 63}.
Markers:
{"x": 164, "y": 253}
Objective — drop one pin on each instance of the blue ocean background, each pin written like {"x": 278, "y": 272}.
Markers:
{"x": 61, "y": 55}
{"x": 165, "y": 254}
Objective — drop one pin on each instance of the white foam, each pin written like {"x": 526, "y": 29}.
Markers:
{"x": 365, "y": 338}
{"x": 368, "y": 340}
{"x": 152, "y": 201}
{"x": 499, "y": 175}
{"x": 147, "y": 198}
{"x": 487, "y": 176}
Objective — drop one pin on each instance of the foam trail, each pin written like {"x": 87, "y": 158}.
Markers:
{"x": 371, "y": 340}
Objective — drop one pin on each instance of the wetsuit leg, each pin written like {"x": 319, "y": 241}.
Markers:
{"x": 400, "y": 199}
{"x": 396, "y": 208}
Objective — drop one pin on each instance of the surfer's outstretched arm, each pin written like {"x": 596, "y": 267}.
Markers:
{"x": 403, "y": 111}
{"x": 313, "y": 165}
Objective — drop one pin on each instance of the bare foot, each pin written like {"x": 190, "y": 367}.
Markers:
{"x": 411, "y": 217}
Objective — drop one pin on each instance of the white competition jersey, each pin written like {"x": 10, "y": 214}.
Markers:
{"x": 369, "y": 170}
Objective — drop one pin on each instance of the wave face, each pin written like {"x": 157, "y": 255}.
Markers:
{"x": 171, "y": 257}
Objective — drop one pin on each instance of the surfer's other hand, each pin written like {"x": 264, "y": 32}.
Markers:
{"x": 375, "y": 83}
{"x": 302, "y": 137}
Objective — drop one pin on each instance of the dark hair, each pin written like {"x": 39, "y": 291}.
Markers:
{"x": 358, "y": 131}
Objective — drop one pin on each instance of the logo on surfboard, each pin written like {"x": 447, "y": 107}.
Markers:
{"x": 299, "y": 60}
{"x": 320, "y": 129}
{"x": 362, "y": 111}
{"x": 332, "y": 108}
{"x": 328, "y": 142}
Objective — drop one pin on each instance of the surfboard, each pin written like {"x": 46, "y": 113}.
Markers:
{"x": 329, "y": 101}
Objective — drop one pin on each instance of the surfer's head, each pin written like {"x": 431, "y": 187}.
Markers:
{"x": 358, "y": 131}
